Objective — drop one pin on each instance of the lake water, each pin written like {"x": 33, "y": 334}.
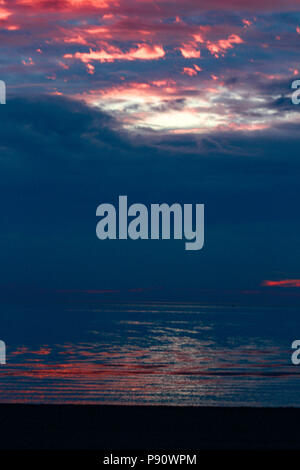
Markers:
{"x": 151, "y": 353}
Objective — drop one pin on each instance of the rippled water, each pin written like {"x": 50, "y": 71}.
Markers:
{"x": 151, "y": 353}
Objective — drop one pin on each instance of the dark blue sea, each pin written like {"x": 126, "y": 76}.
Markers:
{"x": 151, "y": 353}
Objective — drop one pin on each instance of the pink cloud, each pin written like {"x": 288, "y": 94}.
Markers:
{"x": 282, "y": 283}
{"x": 64, "y": 66}
{"x": 163, "y": 83}
{"x": 75, "y": 40}
{"x": 111, "y": 53}
{"x": 4, "y": 13}
{"x": 220, "y": 47}
{"x": 189, "y": 71}
{"x": 165, "y": 89}
{"x": 68, "y": 4}
{"x": 247, "y": 23}
{"x": 90, "y": 69}
{"x": 190, "y": 51}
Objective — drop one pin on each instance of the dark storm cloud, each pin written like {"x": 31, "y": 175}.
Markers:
{"x": 61, "y": 159}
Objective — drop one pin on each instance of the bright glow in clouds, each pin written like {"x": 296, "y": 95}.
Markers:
{"x": 205, "y": 105}
{"x": 179, "y": 120}
{"x": 190, "y": 51}
{"x": 4, "y": 14}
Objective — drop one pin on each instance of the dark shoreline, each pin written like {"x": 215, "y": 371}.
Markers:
{"x": 144, "y": 427}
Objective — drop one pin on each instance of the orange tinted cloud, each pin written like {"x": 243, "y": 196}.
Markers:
{"x": 150, "y": 92}
{"x": 90, "y": 69}
{"x": 247, "y": 23}
{"x": 189, "y": 71}
{"x": 4, "y": 13}
{"x": 282, "y": 283}
{"x": 220, "y": 47}
{"x": 190, "y": 51}
{"x": 111, "y": 53}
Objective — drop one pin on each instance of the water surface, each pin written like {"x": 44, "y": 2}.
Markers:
{"x": 151, "y": 353}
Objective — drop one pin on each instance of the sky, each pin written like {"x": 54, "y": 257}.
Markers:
{"x": 164, "y": 101}
{"x": 158, "y": 65}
